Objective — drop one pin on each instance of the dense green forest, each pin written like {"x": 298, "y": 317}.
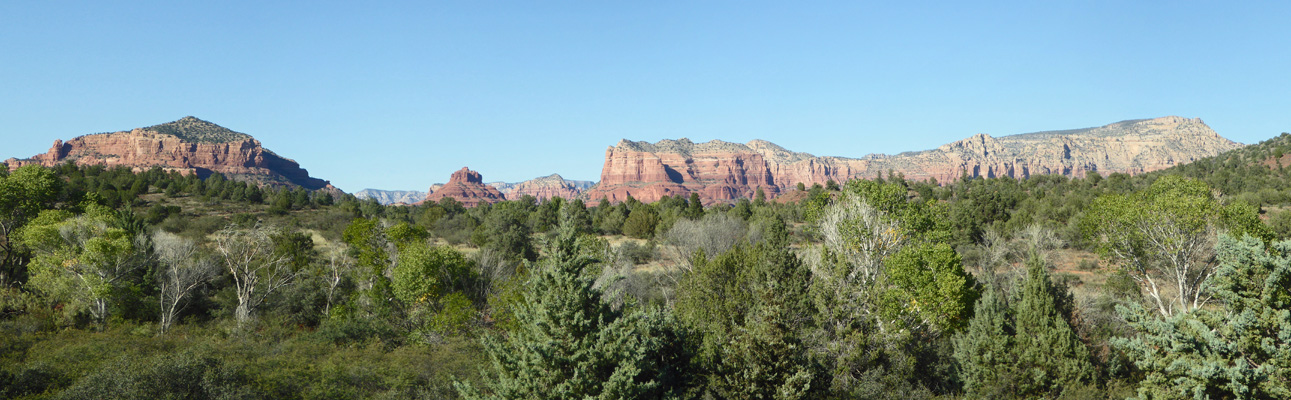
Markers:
{"x": 1173, "y": 284}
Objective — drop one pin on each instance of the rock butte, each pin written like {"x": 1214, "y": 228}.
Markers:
{"x": 722, "y": 171}
{"x": 189, "y": 146}
{"x": 468, "y": 188}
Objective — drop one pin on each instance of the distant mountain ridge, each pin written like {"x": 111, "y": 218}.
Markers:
{"x": 189, "y": 146}
{"x": 718, "y": 171}
{"x": 543, "y": 188}
{"x": 723, "y": 171}
{"x": 388, "y": 197}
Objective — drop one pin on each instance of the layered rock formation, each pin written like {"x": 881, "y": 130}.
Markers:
{"x": 544, "y": 188}
{"x": 721, "y": 171}
{"x": 189, "y": 145}
{"x": 468, "y": 188}
{"x": 388, "y": 197}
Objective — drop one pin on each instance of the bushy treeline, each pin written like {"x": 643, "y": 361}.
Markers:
{"x": 120, "y": 284}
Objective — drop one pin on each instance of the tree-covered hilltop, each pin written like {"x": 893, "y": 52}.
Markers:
{"x": 1256, "y": 173}
{"x": 193, "y": 130}
{"x": 116, "y": 284}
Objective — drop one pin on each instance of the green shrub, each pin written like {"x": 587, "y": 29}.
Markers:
{"x": 638, "y": 254}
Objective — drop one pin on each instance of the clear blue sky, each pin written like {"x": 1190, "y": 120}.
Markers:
{"x": 397, "y": 95}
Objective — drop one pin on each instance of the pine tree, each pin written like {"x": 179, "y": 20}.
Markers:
{"x": 570, "y": 344}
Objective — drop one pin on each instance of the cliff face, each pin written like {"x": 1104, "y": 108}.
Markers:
{"x": 717, "y": 170}
{"x": 468, "y": 188}
{"x": 189, "y": 145}
{"x": 721, "y": 171}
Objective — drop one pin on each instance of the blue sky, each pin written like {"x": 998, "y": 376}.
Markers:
{"x": 398, "y": 95}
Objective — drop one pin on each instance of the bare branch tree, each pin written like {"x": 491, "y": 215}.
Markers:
{"x": 184, "y": 270}
{"x": 1037, "y": 240}
{"x": 257, "y": 272}
{"x": 863, "y": 236}
{"x": 338, "y": 266}
{"x": 714, "y": 234}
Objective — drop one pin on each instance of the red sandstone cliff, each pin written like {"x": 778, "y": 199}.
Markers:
{"x": 189, "y": 145}
{"x": 468, "y": 188}
{"x": 721, "y": 171}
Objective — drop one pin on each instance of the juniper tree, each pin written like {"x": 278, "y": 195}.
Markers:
{"x": 750, "y": 307}
{"x": 641, "y": 222}
{"x": 1050, "y": 356}
{"x": 985, "y": 349}
{"x": 766, "y": 360}
{"x": 694, "y": 207}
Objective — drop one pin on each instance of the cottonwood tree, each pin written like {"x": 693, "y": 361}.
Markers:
{"x": 257, "y": 270}
{"x": 23, "y": 195}
{"x": 183, "y": 271}
{"x": 81, "y": 260}
{"x": 372, "y": 251}
{"x": 859, "y": 238}
{"x": 1164, "y": 237}
{"x": 430, "y": 281}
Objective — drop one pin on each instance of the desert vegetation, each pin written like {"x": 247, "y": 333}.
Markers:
{"x": 1173, "y": 284}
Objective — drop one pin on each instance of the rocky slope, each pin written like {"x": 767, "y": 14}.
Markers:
{"x": 388, "y": 197}
{"x": 721, "y": 171}
{"x": 468, "y": 188}
{"x": 189, "y": 145}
